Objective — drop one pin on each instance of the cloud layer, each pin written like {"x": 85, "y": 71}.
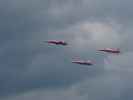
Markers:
{"x": 30, "y": 69}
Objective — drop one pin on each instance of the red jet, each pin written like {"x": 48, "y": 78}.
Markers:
{"x": 83, "y": 62}
{"x": 111, "y": 50}
{"x": 57, "y": 42}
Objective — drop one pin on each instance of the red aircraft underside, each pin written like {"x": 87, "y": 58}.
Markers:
{"x": 57, "y": 42}
{"x": 110, "y": 50}
{"x": 82, "y": 62}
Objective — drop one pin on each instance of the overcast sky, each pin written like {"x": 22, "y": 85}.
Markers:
{"x": 33, "y": 70}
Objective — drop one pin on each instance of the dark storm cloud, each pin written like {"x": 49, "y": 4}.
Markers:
{"x": 26, "y": 63}
{"x": 23, "y": 24}
{"x": 18, "y": 22}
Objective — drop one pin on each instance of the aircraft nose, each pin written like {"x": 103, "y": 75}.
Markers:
{"x": 65, "y": 44}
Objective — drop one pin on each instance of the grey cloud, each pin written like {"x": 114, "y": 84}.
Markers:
{"x": 26, "y": 63}
{"x": 99, "y": 10}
